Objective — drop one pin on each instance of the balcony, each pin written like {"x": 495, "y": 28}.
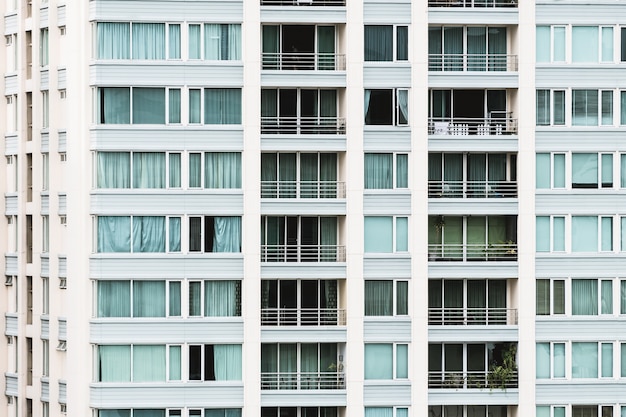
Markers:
{"x": 471, "y": 380}
{"x": 294, "y": 125}
{"x": 472, "y": 62}
{"x": 303, "y": 189}
{"x": 303, "y": 3}
{"x": 303, "y": 253}
{"x": 472, "y": 3}
{"x": 473, "y": 252}
{"x": 300, "y": 61}
{"x": 303, "y": 317}
{"x": 484, "y": 316}
{"x": 472, "y": 189}
{"x": 501, "y": 123}
{"x": 328, "y": 380}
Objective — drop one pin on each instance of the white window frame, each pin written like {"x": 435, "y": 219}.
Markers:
{"x": 166, "y": 173}
{"x": 394, "y": 235}
{"x": 566, "y": 298}
{"x": 394, "y": 44}
{"x": 394, "y": 311}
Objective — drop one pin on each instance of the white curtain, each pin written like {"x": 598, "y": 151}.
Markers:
{"x": 378, "y": 361}
{"x": 113, "y": 298}
{"x": 148, "y": 40}
{"x": 148, "y": 298}
{"x": 148, "y": 363}
{"x": 113, "y": 234}
{"x": 113, "y": 170}
{"x": 114, "y": 363}
{"x": 227, "y": 234}
{"x": 148, "y": 170}
{"x": 113, "y": 40}
{"x": 149, "y": 234}
{"x": 221, "y": 298}
{"x": 227, "y": 362}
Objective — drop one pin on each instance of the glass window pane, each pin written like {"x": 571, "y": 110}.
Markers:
{"x": 195, "y": 44}
{"x": 542, "y": 300}
{"x": 606, "y": 297}
{"x": 378, "y": 170}
{"x": 402, "y": 171}
{"x": 378, "y": 361}
{"x": 585, "y": 107}
{"x": 402, "y": 298}
{"x": 175, "y": 368}
{"x": 543, "y": 234}
{"x": 607, "y": 170}
{"x": 558, "y": 350}
{"x": 402, "y": 361}
{"x": 607, "y": 108}
{"x": 149, "y": 105}
{"x": 585, "y": 44}
{"x": 543, "y": 361}
{"x": 379, "y": 234}
{"x": 558, "y": 230}
{"x": 607, "y": 44}
{"x": 195, "y": 170}
{"x": 174, "y": 106}
{"x": 113, "y": 298}
{"x": 543, "y": 108}
{"x": 543, "y": 43}
{"x": 174, "y": 41}
{"x": 558, "y": 108}
{"x": 402, "y": 234}
{"x": 194, "y": 106}
{"x": 559, "y": 44}
{"x": 378, "y": 298}
{"x": 607, "y": 234}
{"x": 584, "y": 297}
{"x": 558, "y": 306}
{"x": 378, "y": 43}
{"x": 402, "y": 43}
{"x": 607, "y": 360}
{"x": 543, "y": 170}
{"x": 584, "y": 360}
{"x": 148, "y": 298}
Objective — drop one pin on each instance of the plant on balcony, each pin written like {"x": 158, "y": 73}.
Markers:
{"x": 501, "y": 374}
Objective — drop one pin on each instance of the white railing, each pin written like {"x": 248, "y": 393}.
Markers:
{"x": 470, "y": 380}
{"x": 280, "y": 125}
{"x": 303, "y": 253}
{"x": 464, "y": 126}
{"x": 473, "y": 252}
{"x": 291, "y": 61}
{"x": 479, "y": 316}
{"x": 472, "y": 189}
{"x": 472, "y": 62}
{"x": 472, "y": 3}
{"x": 303, "y": 317}
{"x": 303, "y": 2}
{"x": 303, "y": 189}
{"x": 302, "y": 380}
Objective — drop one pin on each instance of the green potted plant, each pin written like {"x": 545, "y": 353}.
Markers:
{"x": 501, "y": 374}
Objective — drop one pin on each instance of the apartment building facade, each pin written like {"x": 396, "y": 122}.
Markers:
{"x": 298, "y": 208}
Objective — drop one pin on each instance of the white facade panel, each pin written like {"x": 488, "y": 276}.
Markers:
{"x": 308, "y": 398}
{"x": 510, "y": 396}
{"x": 10, "y": 204}
{"x": 386, "y": 393}
{"x": 386, "y": 139}
{"x": 387, "y": 266}
{"x": 282, "y": 14}
{"x": 381, "y": 329}
{"x": 170, "y": 266}
{"x": 174, "y": 138}
{"x": 386, "y": 203}
{"x": 150, "y": 11}
{"x": 289, "y": 207}
{"x": 10, "y": 23}
{"x": 11, "y": 324}
{"x": 318, "y": 79}
{"x": 10, "y": 84}
{"x": 44, "y": 79}
{"x": 172, "y": 202}
{"x": 476, "y": 206}
{"x": 323, "y": 143}
{"x": 376, "y": 11}
{"x": 327, "y": 270}
{"x": 386, "y": 75}
{"x": 307, "y": 334}
{"x": 583, "y": 392}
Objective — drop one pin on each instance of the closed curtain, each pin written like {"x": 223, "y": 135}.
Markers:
{"x": 378, "y": 412}
{"x": 497, "y": 230}
{"x": 435, "y": 45}
{"x": 113, "y": 413}
{"x": 402, "y": 298}
{"x": 113, "y": 234}
{"x": 174, "y": 170}
{"x": 326, "y": 47}
{"x": 309, "y": 185}
{"x": 584, "y": 297}
{"x": 174, "y": 106}
{"x": 222, "y": 170}
{"x": 269, "y": 358}
{"x": 114, "y": 363}
{"x": 309, "y": 365}
{"x": 497, "y": 293}
{"x": 113, "y": 299}
{"x": 623, "y": 366}
{"x": 452, "y": 236}
{"x": 149, "y": 234}
{"x": 606, "y": 243}
{"x": 174, "y": 41}
{"x": 148, "y": 298}
{"x": 378, "y": 361}
{"x": 195, "y": 169}
{"x": 149, "y": 363}
{"x": 269, "y": 175}
{"x": 270, "y": 46}
{"x": 402, "y": 43}
{"x": 113, "y": 40}
{"x": 623, "y": 109}
{"x": 148, "y": 170}
{"x": 402, "y": 171}
{"x": 378, "y": 43}
{"x": 195, "y": 112}
{"x": 227, "y": 234}
{"x": 148, "y": 413}
{"x": 585, "y": 44}
{"x": 114, "y": 105}
{"x": 174, "y": 299}
{"x": 174, "y": 234}
{"x": 195, "y": 43}
{"x": 379, "y": 298}
{"x": 453, "y": 48}
{"x": 234, "y": 41}
{"x": 585, "y": 170}
{"x": 476, "y": 236}
{"x": 622, "y": 297}
{"x": 585, "y": 107}
{"x": 148, "y": 40}
{"x": 148, "y": 105}
{"x": 477, "y": 299}
{"x": 584, "y": 360}
{"x": 222, "y": 106}
{"x": 113, "y": 170}
{"x": 496, "y": 169}
{"x": 496, "y": 39}
{"x": 222, "y": 412}
{"x": 542, "y": 301}
{"x": 328, "y": 175}
{"x": 287, "y": 175}
{"x": 378, "y": 170}
{"x": 452, "y": 174}
{"x": 328, "y": 238}
{"x": 543, "y": 108}
{"x": 213, "y": 42}
{"x": 227, "y": 363}
{"x": 328, "y": 106}
{"x": 453, "y": 298}
{"x": 476, "y": 48}
{"x": 584, "y": 234}
{"x": 288, "y": 358}
{"x": 221, "y": 298}
{"x": 435, "y": 165}
{"x": 476, "y": 173}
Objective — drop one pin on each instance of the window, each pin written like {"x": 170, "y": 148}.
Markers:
{"x": 550, "y": 44}
{"x": 550, "y": 108}
{"x": 380, "y": 41}
{"x": 550, "y": 360}
{"x": 300, "y": 239}
{"x": 386, "y": 361}
{"x": 470, "y": 48}
{"x": 592, "y": 44}
{"x": 468, "y": 410}
{"x": 138, "y": 105}
{"x": 45, "y": 358}
{"x": 12, "y": 114}
{"x": 11, "y": 52}
{"x": 470, "y": 302}
{"x": 166, "y": 413}
{"x": 214, "y": 234}
{"x": 550, "y": 236}
{"x": 219, "y": 41}
{"x": 550, "y": 296}
{"x": 143, "y": 298}
{"x": 221, "y": 170}
{"x": 45, "y": 171}
{"x": 45, "y": 109}
{"x": 300, "y": 175}
{"x": 306, "y": 302}
{"x": 138, "y": 170}
{"x": 550, "y": 170}
{"x": 215, "y": 363}
{"x": 214, "y": 298}
{"x": 590, "y": 170}
{"x": 592, "y": 360}
{"x": 290, "y": 366}
{"x": 43, "y": 47}
{"x": 299, "y": 411}
{"x": 138, "y": 363}
{"x": 592, "y": 233}
{"x": 387, "y": 107}
{"x": 147, "y": 234}
{"x": 45, "y": 234}
{"x": 383, "y": 170}
{"x": 592, "y": 297}
{"x": 386, "y": 234}
{"x": 386, "y": 412}
{"x": 138, "y": 40}
{"x": 220, "y": 106}
{"x": 386, "y": 298}
{"x": 588, "y": 105}
{"x": 300, "y": 47}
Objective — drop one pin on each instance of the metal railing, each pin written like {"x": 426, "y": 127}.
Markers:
{"x": 302, "y": 380}
{"x": 472, "y": 3}
{"x": 303, "y": 189}
{"x": 303, "y": 2}
{"x": 303, "y": 317}
{"x": 472, "y": 62}
{"x": 470, "y": 380}
{"x": 464, "y": 126}
{"x": 303, "y": 253}
{"x": 472, "y": 252}
{"x": 483, "y": 316}
{"x": 279, "y": 125}
{"x": 472, "y": 189}
{"x": 298, "y": 61}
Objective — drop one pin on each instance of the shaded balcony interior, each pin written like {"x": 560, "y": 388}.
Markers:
{"x": 472, "y": 3}
{"x": 472, "y": 365}
{"x": 295, "y": 175}
{"x": 472, "y": 112}
{"x": 302, "y": 366}
{"x": 470, "y": 48}
{"x": 472, "y": 238}
{"x": 471, "y": 411}
{"x": 472, "y": 175}
{"x": 302, "y": 239}
{"x": 301, "y": 412}
{"x": 290, "y": 302}
{"x": 303, "y": 3}
{"x": 302, "y": 47}
{"x": 472, "y": 302}
{"x": 302, "y": 111}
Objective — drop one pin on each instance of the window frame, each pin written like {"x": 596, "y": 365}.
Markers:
{"x": 99, "y": 105}
{"x": 394, "y": 43}
{"x": 166, "y": 173}
{"x": 395, "y": 177}
{"x": 551, "y": 357}
{"x": 168, "y": 346}
{"x": 394, "y": 361}
{"x": 186, "y": 233}
{"x": 167, "y": 293}
{"x": 395, "y": 299}
{"x": 394, "y": 235}
{"x": 551, "y": 107}
{"x": 202, "y": 289}
{"x": 552, "y": 295}
{"x": 167, "y": 46}
{"x": 167, "y": 235}
{"x": 395, "y": 108}
{"x": 202, "y": 45}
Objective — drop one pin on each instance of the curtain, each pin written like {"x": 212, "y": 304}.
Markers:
{"x": 542, "y": 300}
{"x": 234, "y": 41}
{"x": 584, "y": 44}
{"x": 584, "y": 107}
{"x": 328, "y": 239}
{"x": 622, "y": 296}
{"x": 453, "y": 48}
{"x": 174, "y": 234}
{"x": 477, "y": 173}
{"x": 378, "y": 170}
{"x": 402, "y": 43}
{"x": 496, "y": 169}
{"x": 326, "y": 47}
{"x": 195, "y": 170}
{"x": 477, "y": 48}
{"x": 222, "y": 106}
{"x": 585, "y": 360}
{"x": 194, "y": 297}
{"x": 402, "y": 171}
{"x": 113, "y": 234}
{"x": 113, "y": 170}
{"x": 477, "y": 300}
{"x": 378, "y": 298}
{"x": 378, "y": 361}
{"x": 403, "y": 106}
{"x": 221, "y": 298}
{"x": 623, "y": 365}
{"x": 309, "y": 365}
{"x": 543, "y": 361}
{"x": 149, "y": 105}
{"x": 195, "y": 106}
{"x": 148, "y": 298}
{"x": 113, "y": 413}
{"x": 269, "y": 177}
{"x": 148, "y": 40}
{"x": 328, "y": 175}
{"x": 174, "y": 299}
{"x": 435, "y": 166}
{"x": 452, "y": 236}
{"x": 227, "y": 362}
{"x": 435, "y": 45}
{"x": 378, "y": 412}
{"x": 496, "y": 290}
{"x": 584, "y": 234}
{"x": 174, "y": 41}
{"x": 309, "y": 180}
{"x": 113, "y": 298}
{"x": 114, "y": 363}
{"x": 542, "y": 45}
{"x": 114, "y": 105}
{"x": 174, "y": 106}
{"x": 497, "y": 39}
{"x": 227, "y": 234}
{"x": 623, "y": 106}
{"x": 584, "y": 297}
{"x": 366, "y": 101}
{"x": 543, "y": 108}
{"x": 378, "y": 43}
{"x": 213, "y": 42}
{"x": 149, "y": 234}
{"x": 148, "y": 363}
{"x": 148, "y": 413}
{"x": 287, "y": 175}
{"x": 222, "y": 170}
{"x": 270, "y": 46}
{"x": 452, "y": 174}
{"x": 402, "y": 298}
{"x": 476, "y": 236}
{"x": 585, "y": 170}
{"x": 607, "y": 108}
{"x": 174, "y": 170}
{"x": 113, "y": 40}
{"x": 402, "y": 361}
{"x": 453, "y": 299}
{"x": 148, "y": 170}
{"x": 195, "y": 44}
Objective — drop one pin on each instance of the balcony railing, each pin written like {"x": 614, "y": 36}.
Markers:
{"x": 446, "y": 316}
{"x": 297, "y": 61}
{"x": 303, "y": 189}
{"x": 472, "y": 62}
{"x": 303, "y": 317}
{"x": 303, "y": 2}
{"x": 470, "y": 380}
{"x": 472, "y": 3}
{"x": 464, "y": 126}
{"x": 303, "y": 253}
{"x": 302, "y": 380}
{"x": 473, "y": 252}
{"x": 303, "y": 125}
{"x": 472, "y": 189}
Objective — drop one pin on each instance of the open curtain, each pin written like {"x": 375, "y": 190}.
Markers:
{"x": 366, "y": 102}
{"x": 113, "y": 40}
{"x": 227, "y": 362}
{"x": 148, "y": 298}
{"x": 113, "y": 170}
{"x": 148, "y": 170}
{"x": 378, "y": 298}
{"x": 114, "y": 105}
{"x": 222, "y": 170}
{"x": 584, "y": 297}
{"x": 220, "y": 298}
{"x": 149, "y": 105}
{"x": 113, "y": 234}
{"x": 476, "y": 48}
{"x": 222, "y": 106}
{"x": 234, "y": 41}
{"x": 148, "y": 363}
{"x": 114, "y": 363}
{"x": 148, "y": 40}
{"x": 149, "y": 234}
{"x": 378, "y": 361}
{"x": 227, "y": 234}
{"x": 113, "y": 299}
{"x": 378, "y": 43}
{"x": 326, "y": 47}
{"x": 585, "y": 360}
{"x": 213, "y": 42}
{"x": 378, "y": 170}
